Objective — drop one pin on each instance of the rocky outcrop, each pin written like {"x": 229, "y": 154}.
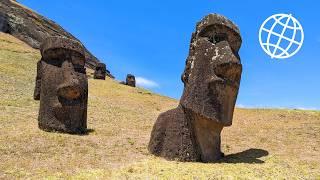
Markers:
{"x": 32, "y": 28}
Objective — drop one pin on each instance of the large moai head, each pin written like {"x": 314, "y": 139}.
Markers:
{"x": 213, "y": 70}
{"x": 192, "y": 131}
{"x": 63, "y": 86}
{"x": 100, "y": 71}
{"x": 131, "y": 80}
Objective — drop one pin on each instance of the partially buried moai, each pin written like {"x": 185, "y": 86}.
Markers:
{"x": 4, "y": 26}
{"x": 62, "y": 86}
{"x": 192, "y": 131}
{"x": 130, "y": 80}
{"x": 100, "y": 71}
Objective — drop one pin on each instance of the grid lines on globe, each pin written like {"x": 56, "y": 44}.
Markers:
{"x": 283, "y": 36}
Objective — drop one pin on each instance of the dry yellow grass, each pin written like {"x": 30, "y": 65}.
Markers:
{"x": 261, "y": 144}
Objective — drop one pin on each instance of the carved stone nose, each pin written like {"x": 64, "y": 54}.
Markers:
{"x": 69, "y": 91}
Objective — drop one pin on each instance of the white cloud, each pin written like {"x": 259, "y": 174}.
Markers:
{"x": 275, "y": 107}
{"x": 307, "y": 108}
{"x": 241, "y": 106}
{"x": 143, "y": 82}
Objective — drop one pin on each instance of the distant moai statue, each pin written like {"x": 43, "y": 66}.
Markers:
{"x": 192, "y": 131}
{"x": 62, "y": 86}
{"x": 4, "y": 25}
{"x": 131, "y": 80}
{"x": 100, "y": 71}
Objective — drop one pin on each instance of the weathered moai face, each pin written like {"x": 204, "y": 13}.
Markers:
{"x": 131, "y": 80}
{"x": 192, "y": 131}
{"x": 213, "y": 70}
{"x": 64, "y": 86}
{"x": 100, "y": 71}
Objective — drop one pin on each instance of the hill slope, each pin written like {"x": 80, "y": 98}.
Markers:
{"x": 32, "y": 28}
{"x": 260, "y": 144}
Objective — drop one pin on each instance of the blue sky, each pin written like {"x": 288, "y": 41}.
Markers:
{"x": 151, "y": 38}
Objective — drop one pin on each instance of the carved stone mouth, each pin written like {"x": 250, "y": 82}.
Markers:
{"x": 66, "y": 111}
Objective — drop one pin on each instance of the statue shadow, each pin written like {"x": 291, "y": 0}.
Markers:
{"x": 87, "y": 132}
{"x": 82, "y": 133}
{"x": 249, "y": 156}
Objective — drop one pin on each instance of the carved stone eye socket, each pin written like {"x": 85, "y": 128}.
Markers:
{"x": 221, "y": 37}
{"x": 77, "y": 59}
{"x": 216, "y": 38}
{"x": 54, "y": 61}
{"x": 218, "y": 33}
{"x": 79, "y": 69}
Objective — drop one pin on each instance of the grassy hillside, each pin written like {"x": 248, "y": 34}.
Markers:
{"x": 263, "y": 144}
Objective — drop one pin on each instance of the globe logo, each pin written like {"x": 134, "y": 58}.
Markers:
{"x": 281, "y": 36}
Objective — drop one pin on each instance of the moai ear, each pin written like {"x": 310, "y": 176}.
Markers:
{"x": 186, "y": 72}
{"x": 37, "y": 89}
{"x": 187, "y": 69}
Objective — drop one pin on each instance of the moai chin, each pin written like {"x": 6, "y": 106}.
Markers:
{"x": 62, "y": 86}
{"x": 100, "y": 71}
{"x": 131, "y": 80}
{"x": 192, "y": 131}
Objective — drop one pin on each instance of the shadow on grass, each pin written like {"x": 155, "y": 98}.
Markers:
{"x": 80, "y": 133}
{"x": 87, "y": 132}
{"x": 249, "y": 156}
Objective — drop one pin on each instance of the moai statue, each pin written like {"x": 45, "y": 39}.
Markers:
{"x": 192, "y": 131}
{"x": 62, "y": 86}
{"x": 100, "y": 71}
{"x": 131, "y": 80}
{"x": 4, "y": 26}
